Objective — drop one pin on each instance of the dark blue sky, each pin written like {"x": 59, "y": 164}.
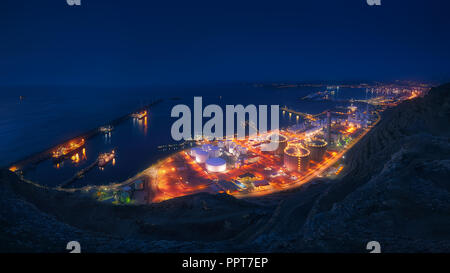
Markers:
{"x": 145, "y": 42}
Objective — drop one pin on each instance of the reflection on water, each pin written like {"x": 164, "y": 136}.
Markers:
{"x": 107, "y": 137}
{"x": 141, "y": 124}
{"x": 145, "y": 125}
{"x": 74, "y": 159}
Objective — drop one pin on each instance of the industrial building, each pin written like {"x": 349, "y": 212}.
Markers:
{"x": 242, "y": 166}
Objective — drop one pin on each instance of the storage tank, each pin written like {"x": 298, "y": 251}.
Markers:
{"x": 194, "y": 151}
{"x": 282, "y": 143}
{"x": 201, "y": 156}
{"x": 317, "y": 147}
{"x": 216, "y": 164}
{"x": 296, "y": 158}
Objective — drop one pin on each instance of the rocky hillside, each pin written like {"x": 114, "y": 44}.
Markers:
{"x": 396, "y": 190}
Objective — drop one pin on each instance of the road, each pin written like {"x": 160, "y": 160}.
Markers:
{"x": 314, "y": 174}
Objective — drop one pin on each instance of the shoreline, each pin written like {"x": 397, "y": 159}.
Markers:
{"x": 150, "y": 174}
{"x": 45, "y": 154}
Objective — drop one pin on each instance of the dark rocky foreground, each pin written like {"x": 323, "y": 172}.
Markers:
{"x": 396, "y": 190}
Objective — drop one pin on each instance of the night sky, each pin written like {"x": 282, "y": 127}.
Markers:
{"x": 145, "y": 42}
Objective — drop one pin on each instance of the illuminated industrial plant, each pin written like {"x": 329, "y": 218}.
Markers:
{"x": 242, "y": 167}
{"x": 313, "y": 145}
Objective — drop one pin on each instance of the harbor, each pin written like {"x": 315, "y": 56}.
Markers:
{"x": 38, "y": 157}
{"x": 141, "y": 138}
{"x": 75, "y": 151}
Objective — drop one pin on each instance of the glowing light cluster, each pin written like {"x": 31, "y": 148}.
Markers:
{"x": 67, "y": 148}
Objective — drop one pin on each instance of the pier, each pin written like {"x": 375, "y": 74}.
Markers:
{"x": 78, "y": 175}
{"x": 46, "y": 154}
{"x": 310, "y": 116}
{"x": 303, "y": 115}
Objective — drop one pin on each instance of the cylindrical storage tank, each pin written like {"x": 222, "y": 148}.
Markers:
{"x": 282, "y": 143}
{"x": 296, "y": 158}
{"x": 216, "y": 164}
{"x": 201, "y": 156}
{"x": 214, "y": 151}
{"x": 303, "y": 163}
{"x": 317, "y": 147}
{"x": 290, "y": 160}
{"x": 194, "y": 151}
